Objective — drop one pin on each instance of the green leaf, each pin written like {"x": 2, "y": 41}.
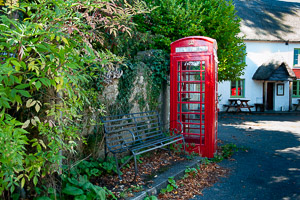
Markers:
{"x": 22, "y": 182}
{"x": 81, "y": 197}
{"x": 22, "y": 86}
{"x": 12, "y": 188}
{"x": 13, "y": 93}
{"x": 99, "y": 191}
{"x": 170, "y": 188}
{"x": 16, "y": 64}
{"x": 38, "y": 85}
{"x": 24, "y": 93}
{"x": 65, "y": 40}
{"x": 4, "y": 102}
{"x": 45, "y": 81}
{"x": 35, "y": 180}
{"x": 71, "y": 190}
{"x": 43, "y": 144}
{"x": 18, "y": 99}
{"x": 52, "y": 37}
{"x": 42, "y": 48}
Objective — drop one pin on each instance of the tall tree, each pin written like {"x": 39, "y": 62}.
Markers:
{"x": 175, "y": 19}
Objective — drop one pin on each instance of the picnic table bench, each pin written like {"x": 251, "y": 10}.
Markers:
{"x": 136, "y": 133}
{"x": 297, "y": 104}
{"x": 238, "y": 104}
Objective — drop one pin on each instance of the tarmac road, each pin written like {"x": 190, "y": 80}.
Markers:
{"x": 270, "y": 168}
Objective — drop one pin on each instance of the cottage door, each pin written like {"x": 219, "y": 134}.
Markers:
{"x": 270, "y": 96}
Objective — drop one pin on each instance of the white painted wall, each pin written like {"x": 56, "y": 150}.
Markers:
{"x": 259, "y": 53}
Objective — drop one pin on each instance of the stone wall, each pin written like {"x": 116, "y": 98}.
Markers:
{"x": 138, "y": 101}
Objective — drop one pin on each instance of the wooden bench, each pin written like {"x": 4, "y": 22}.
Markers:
{"x": 246, "y": 106}
{"x": 297, "y": 105}
{"x": 230, "y": 106}
{"x": 261, "y": 107}
{"x": 136, "y": 133}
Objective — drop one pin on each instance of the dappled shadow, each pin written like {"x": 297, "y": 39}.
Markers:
{"x": 263, "y": 170}
{"x": 270, "y": 168}
{"x": 269, "y": 19}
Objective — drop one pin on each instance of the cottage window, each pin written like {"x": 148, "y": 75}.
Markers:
{"x": 296, "y": 88}
{"x": 237, "y": 88}
{"x": 296, "y": 56}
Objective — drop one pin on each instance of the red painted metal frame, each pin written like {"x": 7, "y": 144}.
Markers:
{"x": 203, "y": 143}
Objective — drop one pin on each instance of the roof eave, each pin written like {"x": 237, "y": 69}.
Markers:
{"x": 263, "y": 40}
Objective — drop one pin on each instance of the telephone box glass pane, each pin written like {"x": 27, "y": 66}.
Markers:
{"x": 191, "y": 76}
{"x": 191, "y": 99}
{"x": 190, "y": 65}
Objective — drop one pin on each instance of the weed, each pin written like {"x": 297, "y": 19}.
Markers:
{"x": 205, "y": 161}
{"x": 217, "y": 158}
{"x": 192, "y": 155}
{"x": 228, "y": 150}
{"x": 190, "y": 171}
{"x": 170, "y": 187}
{"x": 150, "y": 198}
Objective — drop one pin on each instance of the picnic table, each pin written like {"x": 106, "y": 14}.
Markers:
{"x": 297, "y": 105}
{"x": 238, "y": 104}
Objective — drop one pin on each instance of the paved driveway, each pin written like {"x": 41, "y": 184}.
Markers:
{"x": 270, "y": 170}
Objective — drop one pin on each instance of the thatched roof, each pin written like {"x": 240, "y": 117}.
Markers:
{"x": 274, "y": 70}
{"x": 269, "y": 20}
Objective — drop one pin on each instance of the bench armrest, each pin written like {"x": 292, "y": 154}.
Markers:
{"x": 175, "y": 130}
{"x": 181, "y": 128}
{"x": 124, "y": 144}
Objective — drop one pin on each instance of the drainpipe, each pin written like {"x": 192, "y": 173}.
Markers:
{"x": 264, "y": 98}
{"x": 290, "y": 95}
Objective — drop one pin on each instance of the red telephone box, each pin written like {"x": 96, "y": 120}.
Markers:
{"x": 193, "y": 92}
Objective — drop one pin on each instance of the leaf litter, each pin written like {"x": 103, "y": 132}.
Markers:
{"x": 153, "y": 164}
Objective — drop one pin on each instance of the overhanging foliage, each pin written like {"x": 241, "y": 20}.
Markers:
{"x": 175, "y": 19}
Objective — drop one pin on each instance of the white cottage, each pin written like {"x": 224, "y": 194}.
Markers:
{"x": 271, "y": 78}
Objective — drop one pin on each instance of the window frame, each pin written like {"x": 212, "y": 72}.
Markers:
{"x": 297, "y": 95}
{"x": 237, "y": 86}
{"x": 296, "y": 57}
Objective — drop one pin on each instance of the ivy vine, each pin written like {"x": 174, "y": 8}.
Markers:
{"x": 155, "y": 64}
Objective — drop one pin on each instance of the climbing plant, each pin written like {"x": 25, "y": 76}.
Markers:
{"x": 159, "y": 67}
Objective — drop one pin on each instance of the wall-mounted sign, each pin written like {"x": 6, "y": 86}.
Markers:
{"x": 191, "y": 49}
{"x": 280, "y": 89}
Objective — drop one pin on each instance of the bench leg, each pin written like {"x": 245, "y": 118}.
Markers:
{"x": 118, "y": 169}
{"x": 105, "y": 151}
{"x": 227, "y": 109}
{"x": 135, "y": 168}
{"x": 169, "y": 149}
